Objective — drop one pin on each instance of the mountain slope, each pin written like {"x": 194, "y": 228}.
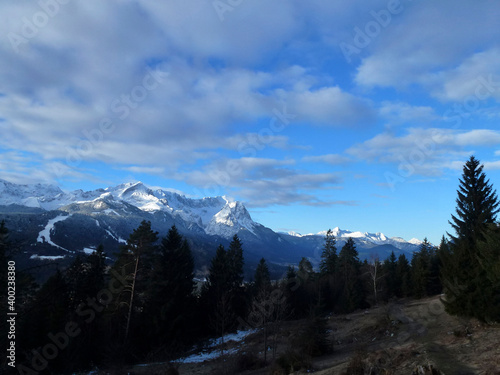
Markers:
{"x": 48, "y": 222}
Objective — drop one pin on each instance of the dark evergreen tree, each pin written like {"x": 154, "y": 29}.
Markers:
{"x": 434, "y": 285}
{"x": 48, "y": 313}
{"x": 307, "y": 291}
{"x": 403, "y": 277}
{"x": 374, "y": 275}
{"x": 329, "y": 258}
{"x": 170, "y": 302}
{"x": 236, "y": 262}
{"x": 352, "y": 296}
{"x": 85, "y": 281}
{"x": 262, "y": 278}
{"x": 135, "y": 262}
{"x": 292, "y": 285}
{"x": 464, "y": 279}
{"x": 489, "y": 260}
{"x": 237, "y": 290}
{"x": 217, "y": 296}
{"x": 420, "y": 267}
{"x": 391, "y": 279}
{"x": 97, "y": 270}
{"x": 328, "y": 283}
{"x": 477, "y": 204}
{"x": 306, "y": 271}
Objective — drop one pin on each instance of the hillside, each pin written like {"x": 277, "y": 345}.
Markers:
{"x": 391, "y": 339}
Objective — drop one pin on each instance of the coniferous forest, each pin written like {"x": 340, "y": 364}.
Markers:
{"x": 146, "y": 306}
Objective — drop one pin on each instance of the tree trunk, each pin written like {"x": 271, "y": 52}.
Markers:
{"x": 129, "y": 316}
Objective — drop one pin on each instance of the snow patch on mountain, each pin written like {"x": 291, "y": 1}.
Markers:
{"x": 45, "y": 234}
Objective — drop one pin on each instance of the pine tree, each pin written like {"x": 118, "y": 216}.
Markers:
{"x": 237, "y": 290}
{"x": 170, "y": 293}
{"x": 262, "y": 306}
{"x": 420, "y": 267}
{"x": 217, "y": 296}
{"x": 262, "y": 278}
{"x": 48, "y": 313}
{"x": 489, "y": 260}
{"x": 135, "y": 261}
{"x": 434, "y": 285}
{"x": 403, "y": 277}
{"x": 477, "y": 204}
{"x": 305, "y": 294}
{"x": 329, "y": 258}
{"x": 390, "y": 271}
{"x": 235, "y": 262}
{"x": 464, "y": 278}
{"x": 376, "y": 274}
{"x": 292, "y": 285}
{"x": 352, "y": 296}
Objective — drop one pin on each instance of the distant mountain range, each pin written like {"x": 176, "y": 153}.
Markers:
{"x": 49, "y": 225}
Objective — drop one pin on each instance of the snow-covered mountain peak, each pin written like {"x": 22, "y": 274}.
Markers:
{"x": 32, "y": 195}
{"x": 415, "y": 241}
{"x": 214, "y": 215}
{"x": 363, "y": 237}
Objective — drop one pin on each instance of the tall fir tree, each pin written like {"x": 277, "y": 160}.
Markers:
{"x": 420, "y": 268}
{"x": 464, "y": 279}
{"x": 403, "y": 277}
{"x": 489, "y": 260}
{"x": 135, "y": 263}
{"x": 236, "y": 261}
{"x": 390, "y": 271}
{"x": 217, "y": 296}
{"x": 262, "y": 278}
{"x": 477, "y": 204}
{"x": 170, "y": 300}
{"x": 329, "y": 257}
{"x": 352, "y": 296}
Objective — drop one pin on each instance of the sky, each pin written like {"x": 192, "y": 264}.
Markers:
{"x": 315, "y": 114}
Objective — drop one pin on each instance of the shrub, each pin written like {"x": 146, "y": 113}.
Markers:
{"x": 291, "y": 361}
{"x": 249, "y": 361}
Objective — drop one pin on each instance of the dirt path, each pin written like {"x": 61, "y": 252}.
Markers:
{"x": 435, "y": 325}
{"x": 400, "y": 336}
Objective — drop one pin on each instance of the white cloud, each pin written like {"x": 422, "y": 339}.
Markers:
{"x": 261, "y": 181}
{"x": 425, "y": 42}
{"x": 331, "y": 106}
{"x": 399, "y": 113}
{"x": 425, "y": 151}
{"x": 333, "y": 159}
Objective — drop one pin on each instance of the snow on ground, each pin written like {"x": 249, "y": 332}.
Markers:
{"x": 44, "y": 235}
{"x": 46, "y": 257}
{"x": 212, "y": 351}
{"x": 88, "y": 250}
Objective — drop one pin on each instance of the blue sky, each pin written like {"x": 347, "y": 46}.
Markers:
{"x": 316, "y": 114}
